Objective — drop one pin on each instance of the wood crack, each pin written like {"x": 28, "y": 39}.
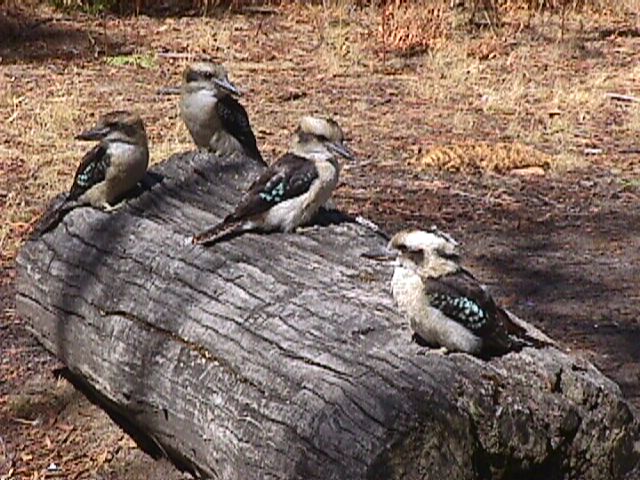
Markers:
{"x": 282, "y": 356}
{"x": 192, "y": 346}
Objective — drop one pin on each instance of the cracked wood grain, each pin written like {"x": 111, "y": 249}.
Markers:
{"x": 282, "y": 357}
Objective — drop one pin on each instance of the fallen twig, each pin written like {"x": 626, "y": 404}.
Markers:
{"x": 25, "y": 421}
{"x": 168, "y": 91}
{"x": 623, "y": 98}
{"x": 182, "y": 56}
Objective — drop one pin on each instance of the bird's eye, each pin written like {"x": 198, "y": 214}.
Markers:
{"x": 323, "y": 138}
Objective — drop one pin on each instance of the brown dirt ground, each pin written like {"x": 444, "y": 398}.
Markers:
{"x": 559, "y": 246}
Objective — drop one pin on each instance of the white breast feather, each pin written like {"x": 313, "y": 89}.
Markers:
{"x": 197, "y": 110}
{"x": 292, "y": 213}
{"x": 428, "y": 322}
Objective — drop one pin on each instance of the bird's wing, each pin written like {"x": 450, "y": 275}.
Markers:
{"x": 92, "y": 170}
{"x": 290, "y": 177}
{"x": 463, "y": 299}
{"x": 235, "y": 121}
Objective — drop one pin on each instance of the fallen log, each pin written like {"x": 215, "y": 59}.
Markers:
{"x": 282, "y": 356}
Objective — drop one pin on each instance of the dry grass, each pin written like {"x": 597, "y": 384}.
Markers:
{"x": 208, "y": 5}
{"x": 550, "y": 103}
{"x": 546, "y": 115}
{"x": 543, "y": 102}
{"x": 41, "y": 123}
{"x": 629, "y": 126}
{"x": 474, "y": 158}
{"x": 448, "y": 74}
{"x": 479, "y": 157}
{"x": 571, "y": 5}
{"x": 409, "y": 30}
{"x": 492, "y": 101}
{"x": 539, "y": 107}
{"x": 37, "y": 127}
{"x": 342, "y": 45}
{"x": 633, "y": 121}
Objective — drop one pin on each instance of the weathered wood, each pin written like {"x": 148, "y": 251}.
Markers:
{"x": 281, "y": 356}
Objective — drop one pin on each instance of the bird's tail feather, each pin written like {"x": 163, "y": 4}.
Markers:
{"x": 257, "y": 156}
{"x": 519, "y": 335}
{"x": 53, "y": 216}
{"x": 530, "y": 341}
{"x": 213, "y": 234}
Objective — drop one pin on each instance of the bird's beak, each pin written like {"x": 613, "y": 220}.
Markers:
{"x": 341, "y": 150}
{"x": 225, "y": 84}
{"x": 96, "y": 133}
{"x": 381, "y": 254}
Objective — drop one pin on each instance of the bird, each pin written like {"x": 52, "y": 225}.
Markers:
{"x": 445, "y": 304}
{"x": 214, "y": 118}
{"x": 109, "y": 170}
{"x": 290, "y": 191}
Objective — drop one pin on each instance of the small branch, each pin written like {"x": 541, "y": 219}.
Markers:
{"x": 184, "y": 56}
{"x": 623, "y": 98}
{"x": 174, "y": 55}
{"x": 593, "y": 151}
{"x": 168, "y": 91}
{"x": 24, "y": 421}
{"x": 257, "y": 10}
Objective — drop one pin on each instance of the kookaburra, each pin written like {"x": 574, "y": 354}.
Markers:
{"x": 214, "y": 118}
{"x": 444, "y": 303}
{"x": 110, "y": 169}
{"x": 289, "y": 193}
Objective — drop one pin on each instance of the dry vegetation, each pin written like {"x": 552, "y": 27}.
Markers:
{"x": 417, "y": 89}
{"x": 545, "y": 104}
{"x": 482, "y": 157}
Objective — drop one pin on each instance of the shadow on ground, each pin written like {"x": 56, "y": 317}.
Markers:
{"x": 559, "y": 252}
{"x": 29, "y": 37}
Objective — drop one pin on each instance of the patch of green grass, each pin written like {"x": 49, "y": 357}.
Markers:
{"x": 630, "y": 183}
{"x": 138, "y": 60}
{"x": 92, "y": 7}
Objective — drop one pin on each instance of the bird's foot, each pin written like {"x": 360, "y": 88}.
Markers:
{"x": 307, "y": 228}
{"x": 107, "y": 207}
{"x": 442, "y": 351}
{"x": 330, "y": 205}
{"x": 438, "y": 351}
{"x": 369, "y": 224}
{"x": 430, "y": 349}
{"x": 202, "y": 154}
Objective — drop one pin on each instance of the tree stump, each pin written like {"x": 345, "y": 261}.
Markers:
{"x": 282, "y": 356}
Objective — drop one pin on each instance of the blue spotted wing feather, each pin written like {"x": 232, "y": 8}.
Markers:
{"x": 290, "y": 177}
{"x": 462, "y": 298}
{"x": 235, "y": 121}
{"x": 54, "y": 214}
{"x": 92, "y": 170}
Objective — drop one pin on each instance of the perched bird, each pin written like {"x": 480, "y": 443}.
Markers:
{"x": 110, "y": 169}
{"x": 290, "y": 192}
{"x": 445, "y": 304}
{"x": 214, "y": 118}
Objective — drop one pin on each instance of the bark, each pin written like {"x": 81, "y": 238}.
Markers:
{"x": 282, "y": 356}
